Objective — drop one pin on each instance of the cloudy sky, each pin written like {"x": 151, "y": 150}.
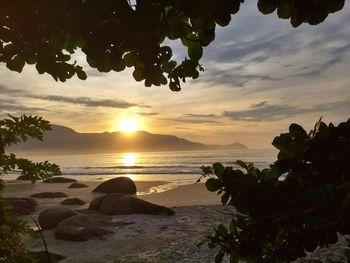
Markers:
{"x": 260, "y": 75}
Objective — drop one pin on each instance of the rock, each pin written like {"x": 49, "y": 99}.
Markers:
{"x": 83, "y": 227}
{"x": 122, "y": 185}
{"x": 57, "y": 179}
{"x": 22, "y": 206}
{"x": 41, "y": 257}
{"x": 77, "y": 185}
{"x": 23, "y": 177}
{"x": 49, "y": 195}
{"x": 118, "y": 204}
{"x": 73, "y": 201}
{"x": 87, "y": 211}
{"x": 49, "y": 218}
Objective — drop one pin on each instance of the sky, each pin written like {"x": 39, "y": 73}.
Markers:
{"x": 260, "y": 75}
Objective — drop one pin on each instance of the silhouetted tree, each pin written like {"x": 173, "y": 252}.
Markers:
{"x": 300, "y": 202}
{"x": 15, "y": 130}
{"x": 115, "y": 34}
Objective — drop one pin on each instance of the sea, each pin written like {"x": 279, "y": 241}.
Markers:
{"x": 174, "y": 167}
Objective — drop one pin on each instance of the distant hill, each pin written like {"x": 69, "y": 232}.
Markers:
{"x": 64, "y": 140}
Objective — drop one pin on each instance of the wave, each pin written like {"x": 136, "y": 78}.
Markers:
{"x": 120, "y": 173}
{"x": 134, "y": 167}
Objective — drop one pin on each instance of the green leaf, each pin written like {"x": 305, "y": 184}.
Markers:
{"x": 213, "y": 184}
{"x": 81, "y": 74}
{"x": 195, "y": 51}
{"x": 284, "y": 9}
{"x": 16, "y": 63}
{"x": 219, "y": 170}
{"x": 137, "y": 74}
{"x": 129, "y": 59}
{"x": 266, "y": 6}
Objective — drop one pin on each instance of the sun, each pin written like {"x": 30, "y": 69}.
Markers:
{"x": 128, "y": 125}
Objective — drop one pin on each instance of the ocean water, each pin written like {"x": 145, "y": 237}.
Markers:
{"x": 175, "y": 167}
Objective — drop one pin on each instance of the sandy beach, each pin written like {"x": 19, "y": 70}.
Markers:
{"x": 149, "y": 238}
{"x": 140, "y": 237}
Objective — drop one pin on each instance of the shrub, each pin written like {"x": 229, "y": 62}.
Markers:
{"x": 13, "y": 131}
{"x": 302, "y": 201}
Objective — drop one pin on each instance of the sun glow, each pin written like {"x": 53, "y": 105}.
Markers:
{"x": 129, "y": 159}
{"x": 128, "y": 125}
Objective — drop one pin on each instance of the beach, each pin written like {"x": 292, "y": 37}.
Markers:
{"x": 141, "y": 237}
{"x": 148, "y": 238}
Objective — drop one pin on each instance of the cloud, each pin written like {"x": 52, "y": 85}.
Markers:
{"x": 259, "y": 105}
{"x": 188, "y": 120}
{"x": 201, "y": 115}
{"x": 274, "y": 51}
{"x": 232, "y": 76}
{"x": 148, "y": 113}
{"x": 89, "y": 102}
{"x": 186, "y": 128}
{"x": 4, "y": 89}
{"x": 335, "y": 56}
{"x": 12, "y": 106}
{"x": 191, "y": 118}
{"x": 265, "y": 112}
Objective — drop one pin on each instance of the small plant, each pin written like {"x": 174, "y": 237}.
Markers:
{"x": 301, "y": 202}
{"x": 13, "y": 131}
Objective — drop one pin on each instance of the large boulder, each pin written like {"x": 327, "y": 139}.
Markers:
{"x": 83, "y": 227}
{"x": 77, "y": 185}
{"x": 49, "y": 195}
{"x": 58, "y": 179}
{"x": 22, "y": 206}
{"x": 73, "y": 201}
{"x": 51, "y": 217}
{"x": 118, "y": 204}
{"x": 121, "y": 185}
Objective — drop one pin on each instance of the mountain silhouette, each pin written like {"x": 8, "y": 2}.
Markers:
{"x": 64, "y": 140}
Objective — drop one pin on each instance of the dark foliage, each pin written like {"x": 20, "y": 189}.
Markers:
{"x": 13, "y": 131}
{"x": 301, "y": 202}
{"x": 16, "y": 130}
{"x": 116, "y": 34}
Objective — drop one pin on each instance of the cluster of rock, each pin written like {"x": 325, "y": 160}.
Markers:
{"x": 96, "y": 221}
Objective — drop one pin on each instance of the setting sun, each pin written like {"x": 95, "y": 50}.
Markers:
{"x": 128, "y": 125}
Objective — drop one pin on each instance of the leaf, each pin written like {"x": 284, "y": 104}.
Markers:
{"x": 16, "y": 63}
{"x": 213, "y": 184}
{"x": 219, "y": 170}
{"x": 81, "y": 74}
{"x": 224, "y": 198}
{"x": 206, "y": 170}
{"x": 241, "y": 164}
{"x": 297, "y": 131}
{"x": 137, "y": 74}
{"x": 266, "y": 6}
{"x": 223, "y": 19}
{"x": 222, "y": 230}
{"x": 195, "y": 51}
{"x": 129, "y": 59}
{"x": 284, "y": 9}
